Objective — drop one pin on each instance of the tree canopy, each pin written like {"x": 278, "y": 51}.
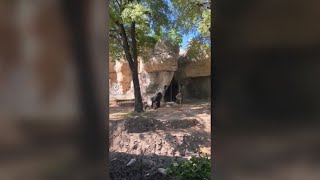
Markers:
{"x": 194, "y": 16}
{"x": 152, "y": 21}
{"x": 157, "y": 19}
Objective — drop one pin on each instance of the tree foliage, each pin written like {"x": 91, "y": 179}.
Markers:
{"x": 193, "y": 169}
{"x": 152, "y": 19}
{"x": 159, "y": 19}
{"x": 136, "y": 25}
{"x": 198, "y": 48}
{"x": 194, "y": 16}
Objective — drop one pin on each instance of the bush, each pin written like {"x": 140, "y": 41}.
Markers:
{"x": 194, "y": 169}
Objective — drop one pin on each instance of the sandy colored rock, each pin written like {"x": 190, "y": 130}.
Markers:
{"x": 194, "y": 68}
{"x": 162, "y": 58}
{"x": 161, "y": 62}
{"x": 152, "y": 83}
{"x": 120, "y": 77}
{"x": 154, "y": 74}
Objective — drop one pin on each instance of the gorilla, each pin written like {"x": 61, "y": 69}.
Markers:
{"x": 155, "y": 101}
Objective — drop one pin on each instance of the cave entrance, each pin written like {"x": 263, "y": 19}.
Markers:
{"x": 172, "y": 91}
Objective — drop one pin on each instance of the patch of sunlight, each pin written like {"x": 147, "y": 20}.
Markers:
{"x": 119, "y": 114}
{"x": 196, "y": 108}
{"x": 205, "y": 150}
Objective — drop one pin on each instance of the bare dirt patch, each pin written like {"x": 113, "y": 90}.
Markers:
{"x": 180, "y": 131}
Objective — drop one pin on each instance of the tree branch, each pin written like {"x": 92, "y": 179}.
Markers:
{"x": 115, "y": 37}
{"x": 119, "y": 4}
{"x": 126, "y": 46}
{"x": 203, "y": 4}
{"x": 134, "y": 43}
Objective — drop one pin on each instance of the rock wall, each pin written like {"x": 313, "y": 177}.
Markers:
{"x": 120, "y": 78}
{"x": 152, "y": 83}
{"x": 154, "y": 74}
{"x": 112, "y": 76}
{"x": 189, "y": 68}
{"x": 197, "y": 88}
{"x": 158, "y": 70}
{"x": 195, "y": 77}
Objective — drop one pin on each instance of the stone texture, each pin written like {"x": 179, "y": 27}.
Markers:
{"x": 162, "y": 58}
{"x": 124, "y": 76}
{"x": 161, "y": 62}
{"x": 120, "y": 75}
{"x": 154, "y": 74}
{"x": 195, "y": 76}
{"x": 194, "y": 68}
{"x": 152, "y": 83}
{"x": 158, "y": 71}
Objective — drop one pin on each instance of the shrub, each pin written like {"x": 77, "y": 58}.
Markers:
{"x": 194, "y": 169}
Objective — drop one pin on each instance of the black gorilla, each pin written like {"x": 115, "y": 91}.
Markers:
{"x": 155, "y": 101}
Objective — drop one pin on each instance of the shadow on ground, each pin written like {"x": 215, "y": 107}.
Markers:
{"x": 155, "y": 136}
{"x": 141, "y": 125}
{"x": 146, "y": 166}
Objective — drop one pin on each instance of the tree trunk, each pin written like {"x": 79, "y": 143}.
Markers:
{"x": 133, "y": 64}
{"x": 135, "y": 78}
{"x": 138, "y": 105}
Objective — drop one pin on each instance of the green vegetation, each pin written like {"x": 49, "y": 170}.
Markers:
{"x": 192, "y": 15}
{"x": 194, "y": 169}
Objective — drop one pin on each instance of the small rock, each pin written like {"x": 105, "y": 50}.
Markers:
{"x": 162, "y": 171}
{"x": 131, "y": 161}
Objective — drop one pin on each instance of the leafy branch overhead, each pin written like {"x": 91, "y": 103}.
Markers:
{"x": 152, "y": 22}
{"x": 192, "y": 15}
{"x": 157, "y": 19}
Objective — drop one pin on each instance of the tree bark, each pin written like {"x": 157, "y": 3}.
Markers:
{"x": 133, "y": 64}
{"x": 135, "y": 78}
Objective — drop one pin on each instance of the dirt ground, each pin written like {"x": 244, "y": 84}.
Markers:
{"x": 155, "y": 137}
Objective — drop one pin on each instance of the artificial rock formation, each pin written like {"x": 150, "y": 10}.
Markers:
{"x": 190, "y": 67}
{"x": 157, "y": 72}
{"x": 195, "y": 76}
{"x": 119, "y": 77}
{"x": 154, "y": 74}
